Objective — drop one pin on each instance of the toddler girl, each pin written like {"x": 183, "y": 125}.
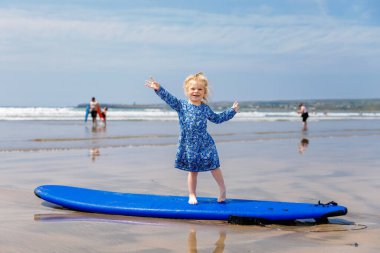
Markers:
{"x": 196, "y": 149}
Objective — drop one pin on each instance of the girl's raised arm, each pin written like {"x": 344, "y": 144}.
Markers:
{"x": 223, "y": 116}
{"x": 235, "y": 106}
{"x": 171, "y": 100}
{"x": 151, "y": 83}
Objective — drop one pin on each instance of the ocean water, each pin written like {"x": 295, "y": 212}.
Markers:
{"x": 50, "y": 135}
{"x": 59, "y": 128}
{"x": 74, "y": 113}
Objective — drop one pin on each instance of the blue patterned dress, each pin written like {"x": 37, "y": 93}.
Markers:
{"x": 196, "y": 149}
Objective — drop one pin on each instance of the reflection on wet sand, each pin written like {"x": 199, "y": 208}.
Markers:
{"x": 94, "y": 152}
{"x": 192, "y": 242}
{"x": 216, "y": 230}
{"x": 78, "y": 216}
{"x": 303, "y": 145}
{"x": 98, "y": 128}
{"x": 334, "y": 224}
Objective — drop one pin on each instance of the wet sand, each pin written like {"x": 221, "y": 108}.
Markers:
{"x": 259, "y": 161}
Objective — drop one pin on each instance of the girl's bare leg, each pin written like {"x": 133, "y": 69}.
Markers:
{"x": 192, "y": 185}
{"x": 218, "y": 176}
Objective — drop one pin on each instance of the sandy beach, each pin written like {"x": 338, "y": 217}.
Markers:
{"x": 260, "y": 160}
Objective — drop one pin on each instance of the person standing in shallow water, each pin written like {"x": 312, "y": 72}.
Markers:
{"x": 304, "y": 114}
{"x": 196, "y": 149}
{"x": 93, "y": 109}
{"x": 104, "y": 114}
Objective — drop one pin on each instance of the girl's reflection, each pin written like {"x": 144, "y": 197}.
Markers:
{"x": 192, "y": 242}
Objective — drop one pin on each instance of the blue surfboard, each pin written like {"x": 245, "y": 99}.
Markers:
{"x": 177, "y": 207}
{"x": 87, "y": 113}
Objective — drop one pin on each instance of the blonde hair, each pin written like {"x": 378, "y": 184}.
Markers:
{"x": 199, "y": 78}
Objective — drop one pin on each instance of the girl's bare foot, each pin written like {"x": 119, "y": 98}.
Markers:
{"x": 222, "y": 197}
{"x": 193, "y": 200}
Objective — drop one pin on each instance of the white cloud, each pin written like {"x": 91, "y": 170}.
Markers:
{"x": 80, "y": 38}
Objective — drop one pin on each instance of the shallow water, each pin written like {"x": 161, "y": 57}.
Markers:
{"x": 64, "y": 135}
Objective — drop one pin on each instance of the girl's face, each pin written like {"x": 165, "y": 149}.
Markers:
{"x": 195, "y": 92}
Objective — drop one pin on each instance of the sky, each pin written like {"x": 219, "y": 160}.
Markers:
{"x": 61, "y": 53}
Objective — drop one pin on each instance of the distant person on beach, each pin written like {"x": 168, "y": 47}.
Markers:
{"x": 196, "y": 149}
{"x": 104, "y": 114}
{"x": 304, "y": 114}
{"x": 93, "y": 109}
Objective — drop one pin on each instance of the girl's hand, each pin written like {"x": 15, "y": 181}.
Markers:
{"x": 235, "y": 106}
{"x": 151, "y": 83}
